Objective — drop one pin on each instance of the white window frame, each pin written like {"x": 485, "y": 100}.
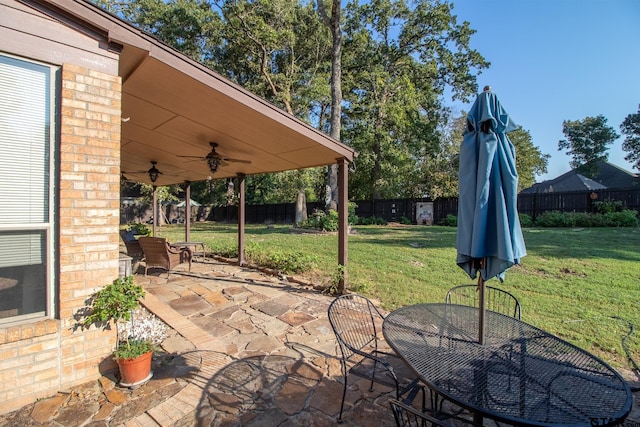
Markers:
{"x": 48, "y": 226}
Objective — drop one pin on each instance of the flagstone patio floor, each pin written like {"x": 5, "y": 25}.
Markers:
{"x": 244, "y": 349}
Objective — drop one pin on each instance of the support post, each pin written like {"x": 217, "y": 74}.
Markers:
{"x": 241, "y": 215}
{"x": 154, "y": 211}
{"x": 482, "y": 312}
{"x": 343, "y": 223}
{"x": 187, "y": 215}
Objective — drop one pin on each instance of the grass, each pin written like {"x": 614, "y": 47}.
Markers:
{"x": 580, "y": 284}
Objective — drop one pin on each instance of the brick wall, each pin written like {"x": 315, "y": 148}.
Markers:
{"x": 42, "y": 357}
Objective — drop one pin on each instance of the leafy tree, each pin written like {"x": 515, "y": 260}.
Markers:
{"x": 333, "y": 23}
{"x": 190, "y": 26}
{"x": 587, "y": 142}
{"x": 398, "y": 59}
{"x": 439, "y": 171}
{"x": 278, "y": 49}
{"x": 630, "y": 127}
{"x": 529, "y": 159}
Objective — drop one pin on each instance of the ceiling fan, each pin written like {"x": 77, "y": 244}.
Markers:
{"x": 215, "y": 160}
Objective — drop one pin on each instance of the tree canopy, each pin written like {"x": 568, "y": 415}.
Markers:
{"x": 630, "y": 127}
{"x": 398, "y": 59}
{"x": 530, "y": 161}
{"x": 587, "y": 142}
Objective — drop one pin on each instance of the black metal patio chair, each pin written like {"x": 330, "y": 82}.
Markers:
{"x": 496, "y": 299}
{"x": 357, "y": 323}
{"x": 408, "y": 416}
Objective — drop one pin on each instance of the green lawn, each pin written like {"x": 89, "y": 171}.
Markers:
{"x": 580, "y": 284}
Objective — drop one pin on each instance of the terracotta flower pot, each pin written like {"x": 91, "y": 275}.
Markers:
{"x": 136, "y": 370}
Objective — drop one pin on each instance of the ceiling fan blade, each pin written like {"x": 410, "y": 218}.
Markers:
{"x": 192, "y": 157}
{"x": 236, "y": 160}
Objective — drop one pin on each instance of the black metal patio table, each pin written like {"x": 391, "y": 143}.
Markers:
{"x": 521, "y": 375}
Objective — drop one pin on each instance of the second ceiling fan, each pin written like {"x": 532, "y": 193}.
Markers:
{"x": 215, "y": 160}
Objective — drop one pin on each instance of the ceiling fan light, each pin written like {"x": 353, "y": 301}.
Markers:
{"x": 153, "y": 172}
{"x": 214, "y": 163}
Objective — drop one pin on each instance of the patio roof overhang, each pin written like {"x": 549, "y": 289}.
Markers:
{"x": 173, "y": 106}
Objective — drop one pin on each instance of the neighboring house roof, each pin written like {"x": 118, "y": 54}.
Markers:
{"x": 609, "y": 176}
{"x": 570, "y": 181}
{"x": 174, "y": 106}
{"x": 613, "y": 176}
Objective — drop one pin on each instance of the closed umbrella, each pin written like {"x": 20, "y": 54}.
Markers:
{"x": 489, "y": 238}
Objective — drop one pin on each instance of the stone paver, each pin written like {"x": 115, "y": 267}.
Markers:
{"x": 271, "y": 308}
{"x": 189, "y": 304}
{"x": 295, "y": 318}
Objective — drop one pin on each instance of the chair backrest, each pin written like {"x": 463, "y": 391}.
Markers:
{"x": 496, "y": 299}
{"x": 155, "y": 250}
{"x": 355, "y": 322}
{"x": 408, "y": 416}
{"x": 131, "y": 243}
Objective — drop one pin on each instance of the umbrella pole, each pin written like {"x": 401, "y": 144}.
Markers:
{"x": 481, "y": 304}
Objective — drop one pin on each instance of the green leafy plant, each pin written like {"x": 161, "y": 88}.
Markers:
{"x": 525, "y": 220}
{"x": 336, "y": 278}
{"x": 608, "y": 206}
{"x": 373, "y": 220}
{"x": 139, "y": 228}
{"x": 329, "y": 221}
{"x": 450, "y": 221}
{"x": 132, "y": 348}
{"x": 285, "y": 261}
{"x": 624, "y": 218}
{"x": 116, "y": 302}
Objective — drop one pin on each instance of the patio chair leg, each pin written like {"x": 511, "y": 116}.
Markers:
{"x": 344, "y": 393}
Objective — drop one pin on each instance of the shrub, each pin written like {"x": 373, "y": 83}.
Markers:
{"x": 608, "y": 206}
{"x": 553, "y": 219}
{"x": 330, "y": 221}
{"x": 525, "y": 220}
{"x": 323, "y": 221}
{"x": 625, "y": 218}
{"x": 450, "y": 221}
{"x": 404, "y": 220}
{"x": 372, "y": 220}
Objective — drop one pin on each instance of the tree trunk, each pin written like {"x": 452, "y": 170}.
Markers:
{"x": 333, "y": 22}
{"x": 301, "y": 207}
{"x": 332, "y": 188}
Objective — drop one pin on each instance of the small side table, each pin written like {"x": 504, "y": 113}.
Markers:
{"x": 196, "y": 248}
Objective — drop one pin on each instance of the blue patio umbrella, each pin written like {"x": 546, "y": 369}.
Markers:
{"x": 489, "y": 238}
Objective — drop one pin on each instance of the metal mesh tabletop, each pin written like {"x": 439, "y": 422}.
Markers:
{"x": 522, "y": 375}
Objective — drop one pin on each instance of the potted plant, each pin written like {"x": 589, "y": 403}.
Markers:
{"x": 118, "y": 302}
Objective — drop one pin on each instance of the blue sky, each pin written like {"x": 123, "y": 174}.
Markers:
{"x": 556, "y": 60}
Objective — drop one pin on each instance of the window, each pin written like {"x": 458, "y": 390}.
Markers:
{"x": 26, "y": 195}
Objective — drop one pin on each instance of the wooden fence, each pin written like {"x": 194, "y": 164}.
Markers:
{"x": 394, "y": 210}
